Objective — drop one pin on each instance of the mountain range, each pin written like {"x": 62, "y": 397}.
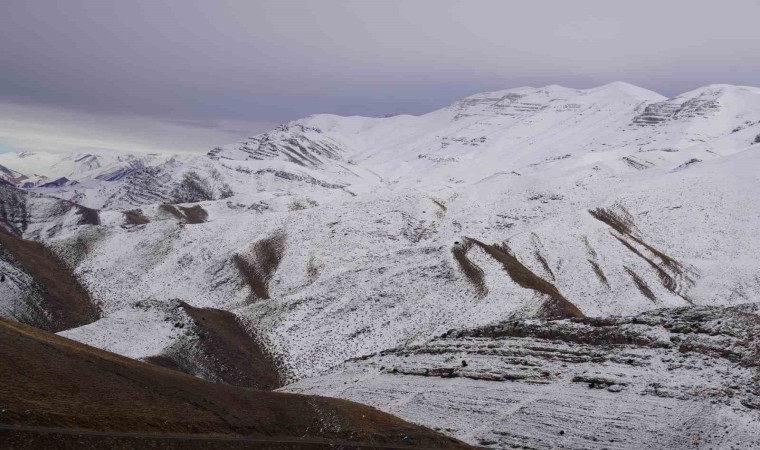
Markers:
{"x": 534, "y": 267}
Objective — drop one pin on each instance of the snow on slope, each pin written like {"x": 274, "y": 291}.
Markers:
{"x": 664, "y": 379}
{"x": 388, "y": 274}
{"x": 11, "y": 176}
{"x": 35, "y": 286}
{"x": 517, "y": 129}
{"x": 356, "y": 274}
{"x": 217, "y": 176}
{"x": 75, "y": 166}
{"x": 514, "y": 130}
{"x": 333, "y": 238}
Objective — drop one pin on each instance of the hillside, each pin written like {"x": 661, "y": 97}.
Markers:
{"x": 673, "y": 378}
{"x": 67, "y": 385}
{"x": 282, "y": 260}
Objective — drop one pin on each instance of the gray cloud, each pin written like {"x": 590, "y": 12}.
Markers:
{"x": 42, "y": 128}
{"x": 266, "y": 60}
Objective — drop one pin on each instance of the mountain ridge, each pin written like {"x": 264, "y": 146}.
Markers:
{"x": 331, "y": 240}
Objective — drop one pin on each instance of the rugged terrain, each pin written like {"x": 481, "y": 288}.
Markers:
{"x": 668, "y": 378}
{"x": 51, "y": 384}
{"x": 314, "y": 254}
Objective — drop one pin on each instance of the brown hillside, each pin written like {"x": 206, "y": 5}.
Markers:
{"x": 63, "y": 302}
{"x": 55, "y": 383}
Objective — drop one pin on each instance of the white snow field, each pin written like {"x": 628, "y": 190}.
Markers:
{"x": 336, "y": 238}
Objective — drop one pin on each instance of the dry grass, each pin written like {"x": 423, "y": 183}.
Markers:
{"x": 194, "y": 214}
{"x": 88, "y": 216}
{"x": 599, "y": 272}
{"x": 50, "y": 381}
{"x": 229, "y": 352}
{"x": 589, "y": 248}
{"x": 135, "y": 217}
{"x": 172, "y": 211}
{"x": 440, "y": 204}
{"x": 642, "y": 285}
{"x": 314, "y": 268}
{"x": 191, "y": 214}
{"x": 442, "y": 208}
{"x": 65, "y": 303}
{"x": 544, "y": 263}
{"x": 622, "y": 222}
{"x": 556, "y": 305}
{"x": 261, "y": 262}
{"x": 471, "y": 270}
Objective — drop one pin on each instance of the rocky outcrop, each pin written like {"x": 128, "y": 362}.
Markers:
{"x": 301, "y": 145}
{"x": 663, "y": 379}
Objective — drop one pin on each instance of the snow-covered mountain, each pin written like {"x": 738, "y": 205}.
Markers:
{"x": 344, "y": 245}
{"x": 31, "y": 170}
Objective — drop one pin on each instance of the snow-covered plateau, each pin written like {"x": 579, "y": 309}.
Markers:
{"x": 535, "y": 267}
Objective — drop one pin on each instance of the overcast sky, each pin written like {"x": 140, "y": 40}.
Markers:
{"x": 186, "y": 75}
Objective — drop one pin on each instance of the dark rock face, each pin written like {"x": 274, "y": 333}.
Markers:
{"x": 673, "y": 110}
{"x": 305, "y": 146}
{"x": 55, "y": 183}
{"x": 728, "y": 333}
{"x": 154, "y": 184}
{"x": 135, "y": 217}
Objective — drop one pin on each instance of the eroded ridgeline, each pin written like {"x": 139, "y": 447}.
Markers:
{"x": 674, "y": 276}
{"x": 554, "y": 304}
{"x": 259, "y": 263}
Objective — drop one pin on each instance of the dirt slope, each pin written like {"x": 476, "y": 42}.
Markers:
{"x": 53, "y": 382}
{"x": 55, "y": 301}
{"x": 223, "y": 352}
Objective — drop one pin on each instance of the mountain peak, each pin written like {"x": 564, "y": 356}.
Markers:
{"x": 719, "y": 90}
{"x": 629, "y": 89}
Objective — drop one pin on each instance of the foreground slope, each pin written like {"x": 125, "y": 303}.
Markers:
{"x": 54, "y": 383}
{"x": 37, "y": 287}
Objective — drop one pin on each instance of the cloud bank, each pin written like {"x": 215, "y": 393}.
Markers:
{"x": 42, "y": 128}
{"x": 188, "y": 62}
